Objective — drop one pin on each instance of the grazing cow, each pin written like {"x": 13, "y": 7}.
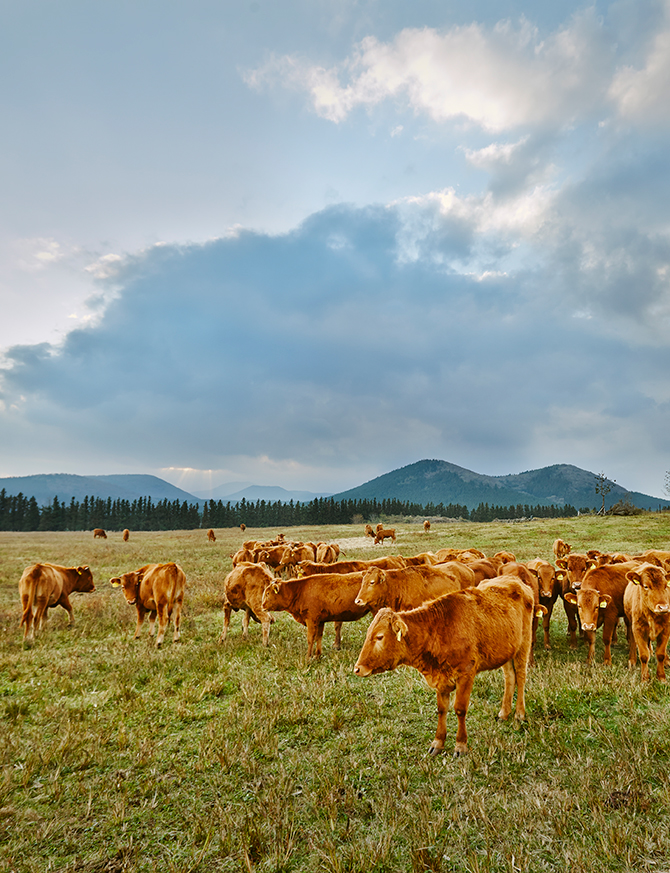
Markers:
{"x": 404, "y": 589}
{"x": 272, "y": 556}
{"x": 211, "y": 536}
{"x": 426, "y": 526}
{"x": 126, "y": 535}
{"x": 561, "y": 549}
{"x": 243, "y": 588}
{"x": 157, "y": 589}
{"x": 452, "y": 639}
{"x": 43, "y": 586}
{"x": 599, "y": 599}
{"x": 314, "y": 600}
{"x": 549, "y": 589}
{"x": 369, "y": 532}
{"x": 99, "y": 533}
{"x": 243, "y": 556}
{"x": 422, "y": 558}
{"x": 647, "y": 616}
{"x": 385, "y": 533}
{"x": 243, "y": 527}
{"x": 570, "y": 572}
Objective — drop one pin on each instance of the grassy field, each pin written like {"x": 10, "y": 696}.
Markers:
{"x": 200, "y": 757}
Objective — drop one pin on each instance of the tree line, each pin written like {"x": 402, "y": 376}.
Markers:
{"x": 21, "y": 513}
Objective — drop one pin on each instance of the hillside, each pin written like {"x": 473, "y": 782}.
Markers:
{"x": 45, "y": 486}
{"x": 434, "y": 481}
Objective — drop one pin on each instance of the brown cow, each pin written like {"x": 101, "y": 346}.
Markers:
{"x": 243, "y": 527}
{"x": 369, "y": 531}
{"x": 383, "y": 534}
{"x": 388, "y": 562}
{"x": 529, "y": 578}
{"x": 482, "y": 568}
{"x": 157, "y": 589}
{"x": 452, "y": 639}
{"x": 314, "y": 600}
{"x": 599, "y": 600}
{"x": 126, "y": 535}
{"x": 99, "y": 533}
{"x": 647, "y": 616}
{"x": 450, "y": 554}
{"x": 243, "y": 588}
{"x": 243, "y": 556}
{"x": 43, "y": 586}
{"x": 463, "y": 573}
{"x": 570, "y": 572}
{"x": 422, "y": 558}
{"x": 404, "y": 589}
{"x": 549, "y": 589}
{"x": 426, "y": 526}
{"x": 211, "y": 536}
{"x": 327, "y": 554}
{"x": 561, "y": 549}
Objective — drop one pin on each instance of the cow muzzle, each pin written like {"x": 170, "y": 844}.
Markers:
{"x": 662, "y": 608}
{"x": 588, "y": 627}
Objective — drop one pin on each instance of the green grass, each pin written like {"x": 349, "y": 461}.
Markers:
{"x": 200, "y": 757}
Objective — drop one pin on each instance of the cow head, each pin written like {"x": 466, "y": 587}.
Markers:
{"x": 653, "y": 582}
{"x": 130, "y": 583}
{"x": 384, "y": 646}
{"x": 84, "y": 583}
{"x": 372, "y": 585}
{"x": 589, "y": 601}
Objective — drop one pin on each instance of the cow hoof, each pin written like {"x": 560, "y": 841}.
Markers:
{"x": 433, "y": 751}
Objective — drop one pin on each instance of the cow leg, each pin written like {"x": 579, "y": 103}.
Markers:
{"x": 39, "y": 616}
{"x": 338, "y": 635}
{"x": 227, "y": 610}
{"x": 461, "y": 701}
{"x": 245, "y": 623}
{"x": 545, "y": 626}
{"x": 176, "y": 618}
{"x": 29, "y": 629}
{"x": 632, "y": 646}
{"x": 661, "y": 646}
{"x": 266, "y": 621}
{"x": 140, "y": 620}
{"x": 443, "y": 700}
{"x": 608, "y": 628}
{"x": 519, "y": 668}
{"x": 64, "y": 601}
{"x": 571, "y": 615}
{"x": 508, "y": 694}
{"x": 319, "y": 638}
{"x": 590, "y": 637}
{"x": 643, "y": 648}
{"x": 314, "y": 639}
{"x": 163, "y": 619}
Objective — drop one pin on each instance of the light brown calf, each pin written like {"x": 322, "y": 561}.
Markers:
{"x": 647, "y": 616}
{"x": 99, "y": 533}
{"x": 452, "y": 639}
{"x": 159, "y": 590}
{"x": 404, "y": 589}
{"x": 243, "y": 588}
{"x": 383, "y": 534}
{"x": 43, "y": 586}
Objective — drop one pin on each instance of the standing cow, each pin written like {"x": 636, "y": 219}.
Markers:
{"x": 126, "y": 535}
{"x": 159, "y": 590}
{"x": 452, "y": 639}
{"x": 99, "y": 533}
{"x": 43, "y": 586}
{"x": 647, "y": 616}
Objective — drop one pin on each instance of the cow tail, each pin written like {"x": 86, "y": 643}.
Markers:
{"x": 34, "y": 578}
{"x": 174, "y": 574}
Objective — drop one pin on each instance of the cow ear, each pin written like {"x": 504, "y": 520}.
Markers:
{"x": 591, "y": 564}
{"x": 633, "y": 576}
{"x": 399, "y": 627}
{"x": 560, "y": 562}
{"x": 541, "y": 610}
{"x": 560, "y": 576}
{"x": 571, "y": 597}
{"x": 602, "y": 604}
{"x": 275, "y": 587}
{"x": 115, "y": 583}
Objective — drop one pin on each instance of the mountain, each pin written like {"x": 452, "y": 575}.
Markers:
{"x": 271, "y": 494}
{"x": 45, "y": 486}
{"x": 433, "y": 481}
{"x": 221, "y": 492}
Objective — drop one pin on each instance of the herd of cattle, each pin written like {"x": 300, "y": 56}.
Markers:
{"x": 450, "y": 614}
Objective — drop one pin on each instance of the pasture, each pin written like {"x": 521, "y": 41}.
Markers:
{"x": 202, "y": 757}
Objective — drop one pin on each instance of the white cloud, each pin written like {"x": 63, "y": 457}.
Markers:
{"x": 641, "y": 95}
{"x": 499, "y": 78}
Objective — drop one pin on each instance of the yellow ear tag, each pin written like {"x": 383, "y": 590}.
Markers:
{"x": 399, "y": 636}
{"x": 603, "y": 604}
{"x": 539, "y": 613}
{"x": 115, "y": 584}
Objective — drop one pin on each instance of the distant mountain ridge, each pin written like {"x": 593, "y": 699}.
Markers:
{"x": 435, "y": 481}
{"x": 427, "y": 481}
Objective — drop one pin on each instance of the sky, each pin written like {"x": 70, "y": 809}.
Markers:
{"x": 306, "y": 242}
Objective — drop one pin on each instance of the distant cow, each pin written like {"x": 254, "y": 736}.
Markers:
{"x": 126, "y": 535}
{"x": 647, "y": 616}
{"x": 211, "y": 536}
{"x": 369, "y": 531}
{"x": 243, "y": 588}
{"x": 43, "y": 586}
{"x": 159, "y": 590}
{"x": 99, "y": 533}
{"x": 426, "y": 526}
{"x": 385, "y": 533}
{"x": 243, "y": 527}
{"x": 452, "y": 639}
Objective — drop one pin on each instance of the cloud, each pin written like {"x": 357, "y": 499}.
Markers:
{"x": 499, "y": 78}
{"x": 324, "y": 351}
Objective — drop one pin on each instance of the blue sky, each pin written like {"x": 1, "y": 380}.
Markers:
{"x": 305, "y": 243}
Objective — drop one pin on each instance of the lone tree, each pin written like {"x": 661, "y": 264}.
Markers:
{"x": 603, "y": 487}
